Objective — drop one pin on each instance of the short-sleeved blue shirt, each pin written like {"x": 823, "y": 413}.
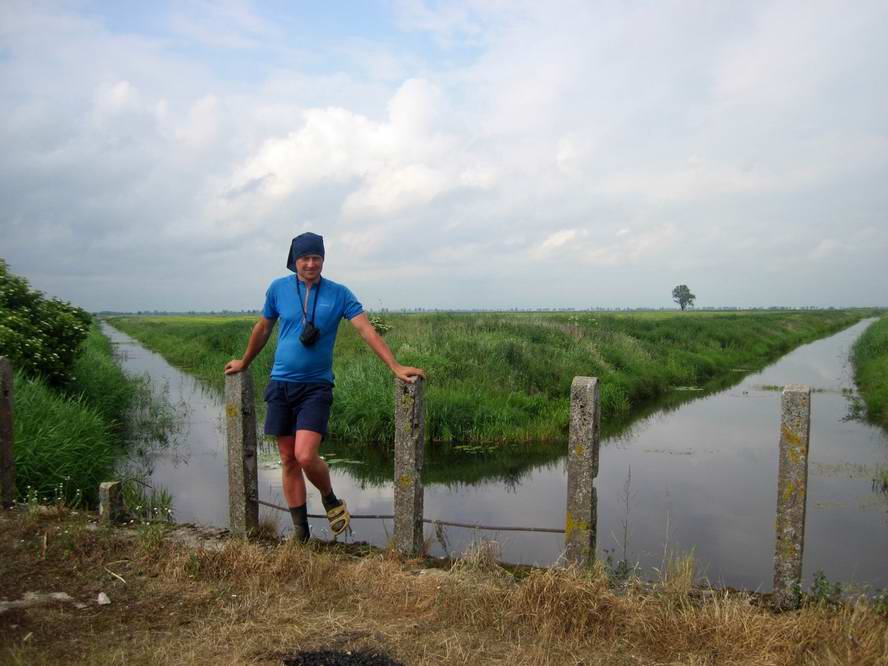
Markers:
{"x": 293, "y": 361}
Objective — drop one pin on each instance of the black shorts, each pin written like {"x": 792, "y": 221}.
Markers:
{"x": 293, "y": 407}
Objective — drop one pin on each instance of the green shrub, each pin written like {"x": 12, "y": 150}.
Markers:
{"x": 379, "y": 324}
{"x": 41, "y": 336}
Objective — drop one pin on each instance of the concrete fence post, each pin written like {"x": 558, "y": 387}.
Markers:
{"x": 243, "y": 477}
{"x": 582, "y": 468}
{"x": 792, "y": 489}
{"x": 7, "y": 434}
{"x": 111, "y": 505}
{"x": 409, "y": 456}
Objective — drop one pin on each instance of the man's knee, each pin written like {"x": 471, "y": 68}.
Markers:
{"x": 307, "y": 458}
{"x": 290, "y": 464}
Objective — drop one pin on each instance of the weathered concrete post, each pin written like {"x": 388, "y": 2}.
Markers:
{"x": 792, "y": 488}
{"x": 409, "y": 455}
{"x": 240, "y": 429}
{"x": 111, "y": 506}
{"x": 7, "y": 435}
{"x": 582, "y": 468}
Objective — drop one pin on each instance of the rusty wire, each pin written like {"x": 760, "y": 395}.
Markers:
{"x": 471, "y": 526}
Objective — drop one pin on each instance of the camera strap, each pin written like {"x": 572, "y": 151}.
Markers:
{"x": 314, "y": 308}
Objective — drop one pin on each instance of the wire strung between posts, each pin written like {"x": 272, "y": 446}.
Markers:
{"x": 324, "y": 515}
{"x": 471, "y": 526}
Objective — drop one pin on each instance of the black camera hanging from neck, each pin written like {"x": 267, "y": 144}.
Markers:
{"x": 310, "y": 332}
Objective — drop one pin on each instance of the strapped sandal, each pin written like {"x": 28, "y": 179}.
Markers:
{"x": 339, "y": 518}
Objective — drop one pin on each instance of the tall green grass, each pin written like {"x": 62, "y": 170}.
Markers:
{"x": 506, "y": 377}
{"x": 870, "y": 357}
{"x": 64, "y": 446}
{"x": 68, "y": 440}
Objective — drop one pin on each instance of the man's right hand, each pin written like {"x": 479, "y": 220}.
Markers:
{"x": 234, "y": 366}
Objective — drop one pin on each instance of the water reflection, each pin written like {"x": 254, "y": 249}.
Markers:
{"x": 703, "y": 477}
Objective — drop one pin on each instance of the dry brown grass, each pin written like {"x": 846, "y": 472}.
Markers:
{"x": 255, "y": 602}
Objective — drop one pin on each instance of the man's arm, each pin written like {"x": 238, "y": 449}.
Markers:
{"x": 258, "y": 338}
{"x": 377, "y": 344}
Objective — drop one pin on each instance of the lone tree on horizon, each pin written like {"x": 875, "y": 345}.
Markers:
{"x": 683, "y": 296}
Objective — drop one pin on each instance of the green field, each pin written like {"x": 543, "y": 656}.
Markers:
{"x": 870, "y": 356}
{"x": 502, "y": 377}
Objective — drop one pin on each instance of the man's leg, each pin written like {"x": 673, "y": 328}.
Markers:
{"x": 310, "y": 424}
{"x": 306, "y": 446}
{"x": 291, "y": 472}
{"x": 294, "y": 486}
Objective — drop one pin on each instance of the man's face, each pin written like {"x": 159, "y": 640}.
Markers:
{"x": 309, "y": 267}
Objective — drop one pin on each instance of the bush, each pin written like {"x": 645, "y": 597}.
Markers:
{"x": 40, "y": 336}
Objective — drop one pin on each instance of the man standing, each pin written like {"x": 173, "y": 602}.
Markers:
{"x": 300, "y": 392}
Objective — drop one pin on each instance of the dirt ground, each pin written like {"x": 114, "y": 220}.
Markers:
{"x": 203, "y": 599}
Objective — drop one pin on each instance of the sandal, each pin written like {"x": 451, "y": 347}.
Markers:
{"x": 339, "y": 518}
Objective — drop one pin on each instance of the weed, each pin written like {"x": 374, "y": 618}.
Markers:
{"x": 880, "y": 603}
{"x": 823, "y": 592}
{"x": 618, "y": 572}
{"x": 150, "y": 535}
{"x": 678, "y": 575}
{"x": 145, "y": 503}
{"x": 379, "y": 324}
{"x": 881, "y": 481}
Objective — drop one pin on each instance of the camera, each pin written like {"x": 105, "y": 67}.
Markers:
{"x": 310, "y": 334}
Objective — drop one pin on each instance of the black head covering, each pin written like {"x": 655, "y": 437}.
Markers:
{"x": 302, "y": 245}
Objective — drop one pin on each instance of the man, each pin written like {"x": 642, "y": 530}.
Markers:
{"x": 300, "y": 392}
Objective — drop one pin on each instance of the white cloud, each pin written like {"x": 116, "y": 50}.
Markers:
{"x": 116, "y": 97}
{"x": 630, "y": 143}
{"x": 386, "y": 167}
{"x": 558, "y": 239}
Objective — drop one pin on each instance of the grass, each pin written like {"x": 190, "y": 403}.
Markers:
{"x": 259, "y": 602}
{"x": 506, "y": 377}
{"x": 62, "y": 443}
{"x": 870, "y": 358}
{"x": 68, "y": 441}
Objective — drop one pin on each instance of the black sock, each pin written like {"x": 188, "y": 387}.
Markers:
{"x": 299, "y": 514}
{"x": 330, "y": 500}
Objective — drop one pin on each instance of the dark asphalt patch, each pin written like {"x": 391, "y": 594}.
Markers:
{"x": 334, "y": 658}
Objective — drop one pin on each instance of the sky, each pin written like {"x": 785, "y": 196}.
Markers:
{"x": 460, "y": 154}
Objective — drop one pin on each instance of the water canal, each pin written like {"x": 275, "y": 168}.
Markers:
{"x": 700, "y": 477}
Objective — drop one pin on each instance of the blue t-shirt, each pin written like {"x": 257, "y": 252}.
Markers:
{"x": 293, "y": 361}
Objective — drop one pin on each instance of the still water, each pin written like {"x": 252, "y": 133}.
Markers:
{"x": 701, "y": 477}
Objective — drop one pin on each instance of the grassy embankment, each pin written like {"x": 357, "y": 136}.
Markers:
{"x": 506, "y": 377}
{"x": 260, "y": 602}
{"x": 870, "y": 356}
{"x": 67, "y": 439}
